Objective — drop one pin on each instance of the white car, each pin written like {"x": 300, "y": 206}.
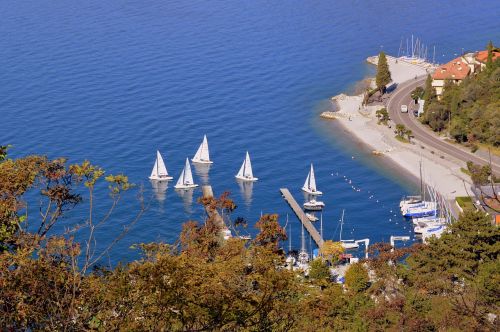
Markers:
{"x": 404, "y": 109}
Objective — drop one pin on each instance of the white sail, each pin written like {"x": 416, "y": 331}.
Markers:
{"x": 154, "y": 172}
{"x": 186, "y": 179}
{"x": 306, "y": 184}
{"x": 162, "y": 169}
{"x": 159, "y": 171}
{"x": 245, "y": 173}
{"x": 312, "y": 179}
{"x": 180, "y": 182}
{"x": 202, "y": 154}
{"x": 188, "y": 175}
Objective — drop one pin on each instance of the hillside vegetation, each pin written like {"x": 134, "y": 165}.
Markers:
{"x": 49, "y": 282}
{"x": 470, "y": 111}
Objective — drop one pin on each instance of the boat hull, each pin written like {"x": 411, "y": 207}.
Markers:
{"x": 196, "y": 161}
{"x": 184, "y": 186}
{"x": 310, "y": 192}
{"x": 161, "y": 178}
{"x": 348, "y": 245}
{"x": 420, "y": 214}
{"x": 313, "y": 207}
{"x": 242, "y": 178}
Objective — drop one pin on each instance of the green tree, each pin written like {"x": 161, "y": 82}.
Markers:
{"x": 382, "y": 115}
{"x": 383, "y": 76}
{"x": 319, "y": 271}
{"x": 417, "y": 93}
{"x": 429, "y": 92}
{"x": 400, "y": 130}
{"x": 356, "y": 278}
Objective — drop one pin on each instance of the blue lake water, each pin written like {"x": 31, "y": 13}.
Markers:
{"x": 112, "y": 81}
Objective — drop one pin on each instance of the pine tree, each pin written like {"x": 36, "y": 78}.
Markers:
{"x": 429, "y": 92}
{"x": 383, "y": 74}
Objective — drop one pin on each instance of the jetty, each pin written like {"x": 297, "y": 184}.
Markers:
{"x": 302, "y": 217}
{"x": 208, "y": 193}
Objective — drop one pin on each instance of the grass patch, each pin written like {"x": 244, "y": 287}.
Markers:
{"x": 495, "y": 150}
{"x": 465, "y": 202}
{"x": 402, "y": 139}
{"x": 465, "y": 171}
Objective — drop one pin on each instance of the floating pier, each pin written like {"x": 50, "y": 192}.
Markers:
{"x": 302, "y": 216}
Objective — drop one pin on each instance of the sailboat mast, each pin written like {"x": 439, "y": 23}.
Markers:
{"x": 341, "y": 224}
{"x": 289, "y": 235}
{"x": 412, "y": 47}
{"x": 321, "y": 225}
{"x": 421, "y": 182}
{"x": 303, "y": 240}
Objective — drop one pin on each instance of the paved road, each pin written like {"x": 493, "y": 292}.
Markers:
{"x": 423, "y": 134}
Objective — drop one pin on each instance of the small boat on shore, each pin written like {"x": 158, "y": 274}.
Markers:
{"x": 311, "y": 217}
{"x": 159, "y": 171}
{"x": 245, "y": 173}
{"x": 314, "y": 205}
{"x": 202, "y": 155}
{"x": 310, "y": 184}
{"x": 186, "y": 178}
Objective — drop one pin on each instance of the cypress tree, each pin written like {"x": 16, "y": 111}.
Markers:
{"x": 383, "y": 74}
{"x": 489, "y": 60}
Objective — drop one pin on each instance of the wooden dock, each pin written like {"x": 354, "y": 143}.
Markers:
{"x": 302, "y": 216}
{"x": 208, "y": 193}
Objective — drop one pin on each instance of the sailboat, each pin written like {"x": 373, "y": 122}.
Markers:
{"x": 202, "y": 156}
{"x": 245, "y": 173}
{"x": 347, "y": 244}
{"x": 159, "y": 171}
{"x": 310, "y": 184}
{"x": 186, "y": 179}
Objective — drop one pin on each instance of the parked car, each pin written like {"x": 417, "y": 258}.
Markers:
{"x": 404, "y": 109}
{"x": 415, "y": 112}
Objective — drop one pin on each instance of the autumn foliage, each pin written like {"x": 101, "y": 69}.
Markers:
{"x": 48, "y": 282}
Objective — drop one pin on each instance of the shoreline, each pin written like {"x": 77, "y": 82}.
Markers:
{"x": 360, "y": 123}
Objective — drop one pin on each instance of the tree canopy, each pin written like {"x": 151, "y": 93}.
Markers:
{"x": 383, "y": 76}
{"x": 202, "y": 282}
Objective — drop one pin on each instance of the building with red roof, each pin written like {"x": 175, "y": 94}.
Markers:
{"x": 456, "y": 71}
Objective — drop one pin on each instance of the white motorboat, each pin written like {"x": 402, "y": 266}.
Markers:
{"x": 314, "y": 205}
{"x": 310, "y": 184}
{"x": 202, "y": 156}
{"x": 245, "y": 173}
{"x": 422, "y": 227}
{"x": 433, "y": 232}
{"x": 159, "y": 171}
{"x": 186, "y": 179}
{"x": 425, "y": 210}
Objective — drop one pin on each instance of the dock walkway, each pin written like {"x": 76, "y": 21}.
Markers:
{"x": 302, "y": 216}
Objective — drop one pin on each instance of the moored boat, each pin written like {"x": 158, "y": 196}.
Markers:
{"x": 314, "y": 205}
